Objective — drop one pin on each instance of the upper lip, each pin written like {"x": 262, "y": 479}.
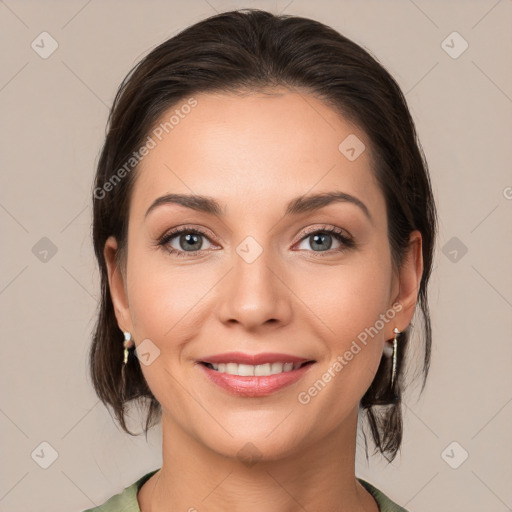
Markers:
{"x": 253, "y": 359}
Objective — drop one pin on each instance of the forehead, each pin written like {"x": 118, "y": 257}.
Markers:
{"x": 245, "y": 149}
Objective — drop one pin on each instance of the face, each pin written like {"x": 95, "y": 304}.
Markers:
{"x": 261, "y": 268}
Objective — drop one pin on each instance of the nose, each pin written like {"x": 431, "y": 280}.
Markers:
{"x": 255, "y": 295}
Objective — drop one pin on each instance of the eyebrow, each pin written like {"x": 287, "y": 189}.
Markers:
{"x": 301, "y": 204}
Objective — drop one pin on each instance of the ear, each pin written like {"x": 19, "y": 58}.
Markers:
{"x": 409, "y": 279}
{"x": 117, "y": 286}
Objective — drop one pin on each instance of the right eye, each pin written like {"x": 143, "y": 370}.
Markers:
{"x": 184, "y": 242}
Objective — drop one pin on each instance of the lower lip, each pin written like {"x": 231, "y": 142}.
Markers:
{"x": 254, "y": 386}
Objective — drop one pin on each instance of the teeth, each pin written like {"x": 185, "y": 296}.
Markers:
{"x": 260, "y": 370}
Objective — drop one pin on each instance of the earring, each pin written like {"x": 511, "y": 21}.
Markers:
{"x": 395, "y": 348}
{"x": 127, "y": 344}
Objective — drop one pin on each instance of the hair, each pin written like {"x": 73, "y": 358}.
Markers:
{"x": 252, "y": 50}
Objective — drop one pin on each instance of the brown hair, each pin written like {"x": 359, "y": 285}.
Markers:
{"x": 249, "y": 50}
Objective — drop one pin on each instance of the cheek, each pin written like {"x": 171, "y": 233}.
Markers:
{"x": 349, "y": 298}
{"x": 166, "y": 308}
{"x": 354, "y": 316}
{"x": 163, "y": 296}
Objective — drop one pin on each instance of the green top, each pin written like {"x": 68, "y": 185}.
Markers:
{"x": 126, "y": 501}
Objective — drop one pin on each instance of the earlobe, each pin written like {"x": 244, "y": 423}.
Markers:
{"x": 117, "y": 285}
{"x": 410, "y": 275}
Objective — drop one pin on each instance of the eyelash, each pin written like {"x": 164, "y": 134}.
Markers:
{"x": 335, "y": 232}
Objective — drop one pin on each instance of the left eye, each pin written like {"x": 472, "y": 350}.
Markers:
{"x": 322, "y": 240}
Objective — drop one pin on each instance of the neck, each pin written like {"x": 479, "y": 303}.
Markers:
{"x": 319, "y": 476}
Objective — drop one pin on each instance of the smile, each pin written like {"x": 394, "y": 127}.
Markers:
{"x": 245, "y": 380}
{"x": 260, "y": 370}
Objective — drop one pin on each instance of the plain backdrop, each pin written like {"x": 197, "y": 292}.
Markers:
{"x": 452, "y": 60}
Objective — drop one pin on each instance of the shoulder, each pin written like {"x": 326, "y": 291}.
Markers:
{"x": 384, "y": 503}
{"x": 125, "y": 501}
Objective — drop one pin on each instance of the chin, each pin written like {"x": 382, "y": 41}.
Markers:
{"x": 264, "y": 441}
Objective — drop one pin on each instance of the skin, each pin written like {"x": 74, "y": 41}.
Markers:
{"x": 253, "y": 154}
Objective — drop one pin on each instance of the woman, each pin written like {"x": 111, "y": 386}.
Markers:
{"x": 264, "y": 226}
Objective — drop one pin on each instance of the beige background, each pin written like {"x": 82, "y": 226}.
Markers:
{"x": 53, "y": 118}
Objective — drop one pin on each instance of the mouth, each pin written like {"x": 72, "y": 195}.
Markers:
{"x": 253, "y": 375}
{"x": 260, "y": 370}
